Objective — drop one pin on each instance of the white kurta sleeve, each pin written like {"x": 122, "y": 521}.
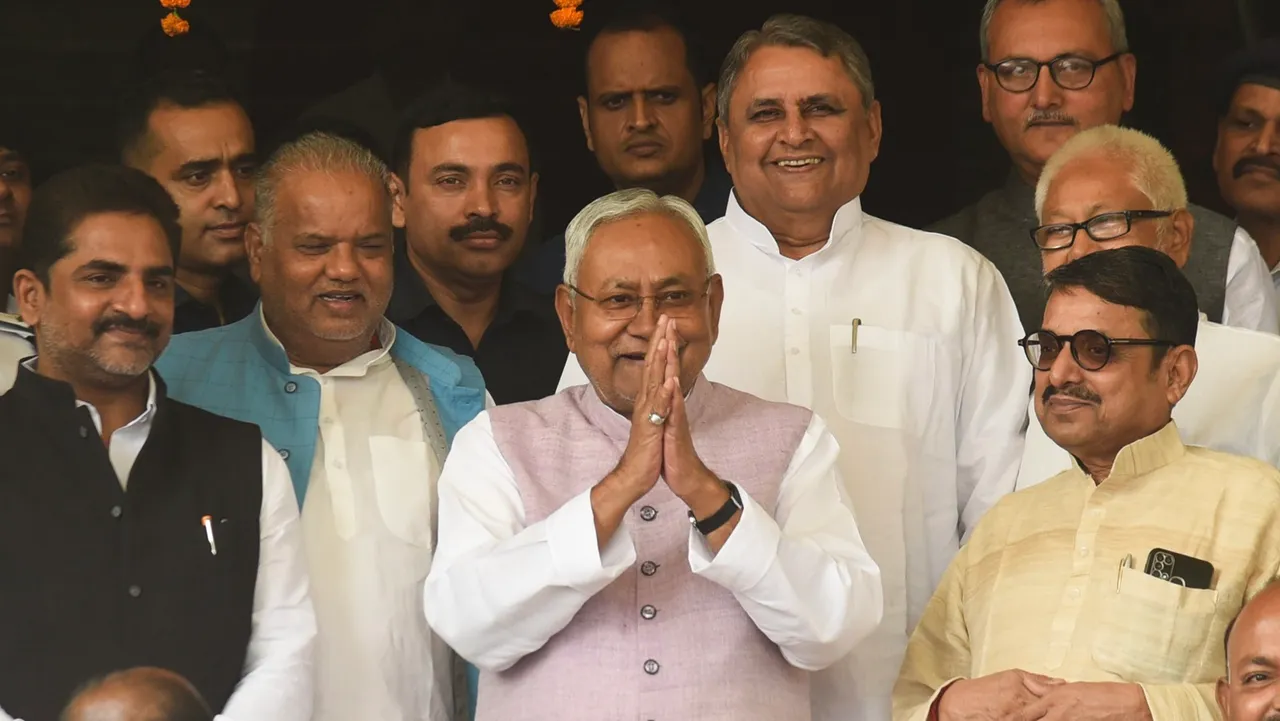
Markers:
{"x": 1251, "y": 293}
{"x": 278, "y": 682}
{"x": 992, "y": 417}
{"x": 802, "y": 575}
{"x": 500, "y": 589}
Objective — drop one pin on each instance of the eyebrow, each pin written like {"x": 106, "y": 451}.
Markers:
{"x": 105, "y": 266}
{"x": 631, "y": 283}
{"x": 11, "y": 156}
{"x": 613, "y": 93}
{"x": 335, "y": 239}
{"x": 1261, "y": 661}
{"x": 209, "y": 165}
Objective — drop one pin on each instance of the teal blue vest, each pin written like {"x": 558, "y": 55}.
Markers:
{"x": 237, "y": 371}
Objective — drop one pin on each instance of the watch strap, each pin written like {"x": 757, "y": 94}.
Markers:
{"x": 712, "y": 523}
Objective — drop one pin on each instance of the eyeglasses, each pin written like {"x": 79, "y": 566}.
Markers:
{"x": 1090, "y": 348}
{"x": 1070, "y": 72}
{"x": 1107, "y": 226}
{"x": 624, "y": 305}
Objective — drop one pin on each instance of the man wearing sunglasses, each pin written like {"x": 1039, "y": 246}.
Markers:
{"x": 1110, "y": 187}
{"x": 1051, "y": 69}
{"x": 1049, "y": 611}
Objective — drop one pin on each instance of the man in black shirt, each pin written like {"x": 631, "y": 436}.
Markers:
{"x": 647, "y": 109}
{"x": 186, "y": 129}
{"x": 465, "y": 195}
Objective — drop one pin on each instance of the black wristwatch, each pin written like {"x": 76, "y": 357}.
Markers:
{"x": 711, "y": 524}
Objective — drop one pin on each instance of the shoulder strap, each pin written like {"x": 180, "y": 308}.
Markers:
{"x": 420, "y": 388}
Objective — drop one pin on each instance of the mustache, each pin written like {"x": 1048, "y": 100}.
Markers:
{"x": 147, "y": 327}
{"x": 1075, "y": 390}
{"x": 1269, "y": 162}
{"x": 481, "y": 224}
{"x": 1049, "y": 116}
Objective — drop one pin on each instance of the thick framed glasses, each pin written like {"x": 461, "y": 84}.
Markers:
{"x": 1090, "y": 348}
{"x": 625, "y": 305}
{"x": 1070, "y": 72}
{"x": 1104, "y": 227}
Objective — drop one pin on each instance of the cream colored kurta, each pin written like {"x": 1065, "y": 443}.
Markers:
{"x": 1042, "y": 585}
{"x": 368, "y": 527}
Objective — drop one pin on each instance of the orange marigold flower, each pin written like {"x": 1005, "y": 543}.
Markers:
{"x": 566, "y": 18}
{"x": 174, "y": 25}
{"x": 172, "y": 4}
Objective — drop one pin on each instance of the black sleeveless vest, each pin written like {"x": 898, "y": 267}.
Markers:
{"x": 94, "y": 579}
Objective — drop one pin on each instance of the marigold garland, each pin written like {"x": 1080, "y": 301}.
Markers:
{"x": 173, "y": 24}
{"x": 568, "y": 16}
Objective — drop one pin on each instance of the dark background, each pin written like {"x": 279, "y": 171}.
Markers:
{"x": 63, "y": 62}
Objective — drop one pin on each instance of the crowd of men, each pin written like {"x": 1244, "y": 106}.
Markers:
{"x": 318, "y": 437}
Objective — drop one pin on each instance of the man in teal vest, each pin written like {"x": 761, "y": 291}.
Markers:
{"x": 362, "y": 413}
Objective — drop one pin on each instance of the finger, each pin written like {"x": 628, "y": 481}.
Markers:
{"x": 655, "y": 361}
{"x": 673, "y": 355}
{"x": 1035, "y": 711}
{"x": 1038, "y": 684}
{"x": 676, "y": 421}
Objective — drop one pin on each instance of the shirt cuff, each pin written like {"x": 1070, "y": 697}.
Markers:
{"x": 746, "y": 557}
{"x": 575, "y": 555}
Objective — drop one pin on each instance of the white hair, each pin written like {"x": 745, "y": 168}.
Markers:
{"x": 315, "y": 152}
{"x": 796, "y": 31}
{"x": 624, "y": 204}
{"x": 1115, "y": 25}
{"x": 1152, "y": 168}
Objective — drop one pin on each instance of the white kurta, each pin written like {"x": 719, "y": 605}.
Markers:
{"x": 1250, "y": 300}
{"x": 368, "y": 526}
{"x": 1233, "y": 404}
{"x": 929, "y": 412}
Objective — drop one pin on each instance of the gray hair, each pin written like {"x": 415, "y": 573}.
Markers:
{"x": 624, "y": 204}
{"x": 796, "y": 31}
{"x": 1115, "y": 25}
{"x": 1152, "y": 168}
{"x": 315, "y": 152}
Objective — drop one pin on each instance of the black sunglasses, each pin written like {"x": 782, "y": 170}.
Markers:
{"x": 1090, "y": 348}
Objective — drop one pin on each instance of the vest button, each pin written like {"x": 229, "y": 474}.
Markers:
{"x": 648, "y": 612}
{"x": 84, "y": 432}
{"x": 284, "y": 453}
{"x": 648, "y": 513}
{"x": 648, "y": 568}
{"x": 290, "y": 387}
{"x": 116, "y": 511}
{"x": 135, "y": 591}
{"x": 651, "y": 667}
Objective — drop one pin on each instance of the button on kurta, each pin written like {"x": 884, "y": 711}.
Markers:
{"x": 648, "y": 513}
{"x": 651, "y": 667}
{"x": 84, "y": 432}
{"x": 648, "y": 568}
{"x": 290, "y": 387}
{"x": 116, "y": 511}
{"x": 284, "y": 453}
{"x": 135, "y": 591}
{"x": 648, "y": 612}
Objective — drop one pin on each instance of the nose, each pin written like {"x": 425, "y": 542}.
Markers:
{"x": 1046, "y": 94}
{"x": 131, "y": 298}
{"x": 641, "y": 117}
{"x": 6, "y": 191}
{"x": 341, "y": 264}
{"x": 480, "y": 200}
{"x": 227, "y": 192}
{"x": 1266, "y": 141}
{"x": 645, "y": 321}
{"x": 796, "y": 130}
{"x": 1065, "y": 370}
{"x": 1084, "y": 245}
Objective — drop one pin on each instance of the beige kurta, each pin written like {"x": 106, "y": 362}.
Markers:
{"x": 1043, "y": 585}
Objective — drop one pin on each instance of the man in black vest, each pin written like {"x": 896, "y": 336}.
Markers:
{"x": 137, "y": 531}
{"x": 1050, "y": 69}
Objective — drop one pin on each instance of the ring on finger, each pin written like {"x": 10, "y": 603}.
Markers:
{"x": 657, "y": 419}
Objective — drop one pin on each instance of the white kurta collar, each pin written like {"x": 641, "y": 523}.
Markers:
{"x": 846, "y": 227}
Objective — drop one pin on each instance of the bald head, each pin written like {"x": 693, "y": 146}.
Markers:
{"x": 140, "y": 694}
{"x": 1251, "y": 689}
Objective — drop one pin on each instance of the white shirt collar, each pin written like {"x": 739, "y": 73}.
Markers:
{"x": 142, "y": 422}
{"x": 355, "y": 367}
{"x": 846, "y": 227}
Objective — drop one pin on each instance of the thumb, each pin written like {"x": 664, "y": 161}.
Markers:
{"x": 1038, "y": 684}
